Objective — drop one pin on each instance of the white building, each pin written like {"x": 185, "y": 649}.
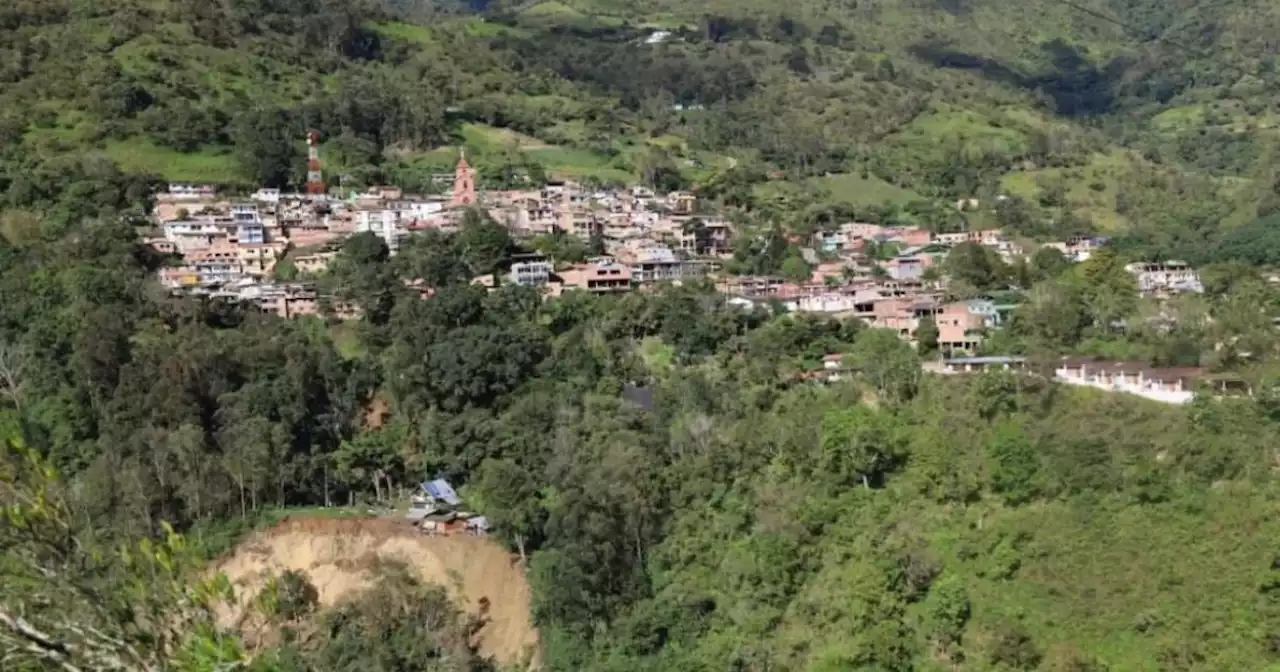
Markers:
{"x": 386, "y": 224}
{"x": 248, "y": 224}
{"x": 191, "y": 192}
{"x": 193, "y": 234}
{"x": 531, "y": 271}
{"x": 821, "y": 303}
{"x": 271, "y": 196}
{"x": 1169, "y": 277}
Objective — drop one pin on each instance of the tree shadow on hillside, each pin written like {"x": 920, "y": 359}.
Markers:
{"x": 1076, "y": 86}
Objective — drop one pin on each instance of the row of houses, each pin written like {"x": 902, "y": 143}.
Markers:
{"x": 601, "y": 275}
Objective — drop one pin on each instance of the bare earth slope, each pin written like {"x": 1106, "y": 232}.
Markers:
{"x": 336, "y": 554}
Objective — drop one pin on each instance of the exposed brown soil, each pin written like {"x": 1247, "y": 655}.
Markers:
{"x": 337, "y": 554}
{"x": 376, "y": 412}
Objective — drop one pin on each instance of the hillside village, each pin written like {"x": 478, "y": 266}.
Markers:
{"x": 230, "y": 248}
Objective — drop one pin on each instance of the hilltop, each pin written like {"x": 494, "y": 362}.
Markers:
{"x": 1146, "y": 119}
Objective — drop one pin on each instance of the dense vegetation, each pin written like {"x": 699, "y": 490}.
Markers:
{"x": 749, "y": 520}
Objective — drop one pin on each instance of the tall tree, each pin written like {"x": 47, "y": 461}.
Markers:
{"x": 269, "y": 145}
{"x": 887, "y": 363}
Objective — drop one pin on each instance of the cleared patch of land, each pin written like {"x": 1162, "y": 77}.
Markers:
{"x": 339, "y": 555}
{"x": 140, "y": 156}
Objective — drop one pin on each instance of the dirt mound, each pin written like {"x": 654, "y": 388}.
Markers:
{"x": 337, "y": 553}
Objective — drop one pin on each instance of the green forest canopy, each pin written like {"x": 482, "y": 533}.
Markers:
{"x": 748, "y": 520}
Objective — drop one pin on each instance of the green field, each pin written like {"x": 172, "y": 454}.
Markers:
{"x": 578, "y": 163}
{"x": 482, "y": 138}
{"x": 856, "y": 190}
{"x": 140, "y": 156}
{"x": 1091, "y": 189}
{"x": 847, "y": 188}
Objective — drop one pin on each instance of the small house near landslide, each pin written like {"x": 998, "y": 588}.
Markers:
{"x": 440, "y": 492}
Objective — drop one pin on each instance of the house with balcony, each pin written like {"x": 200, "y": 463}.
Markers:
{"x": 216, "y": 265}
{"x": 384, "y": 223}
{"x": 1165, "y": 278}
{"x": 249, "y": 229}
{"x": 286, "y": 300}
{"x": 531, "y": 270}
{"x": 828, "y": 302}
{"x": 187, "y": 235}
{"x": 959, "y": 329}
{"x": 656, "y": 263}
{"x": 598, "y": 276}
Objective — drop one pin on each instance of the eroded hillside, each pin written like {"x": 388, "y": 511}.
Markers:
{"x": 338, "y": 556}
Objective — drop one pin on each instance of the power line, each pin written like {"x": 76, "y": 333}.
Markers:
{"x": 1136, "y": 31}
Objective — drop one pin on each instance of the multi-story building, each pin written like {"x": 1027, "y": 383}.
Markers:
{"x": 248, "y": 224}
{"x": 384, "y": 223}
{"x": 660, "y": 264}
{"x": 216, "y": 265}
{"x": 703, "y": 235}
{"x": 599, "y": 276}
{"x": 531, "y": 270}
{"x": 1169, "y": 277}
{"x": 682, "y": 202}
{"x": 196, "y": 234}
{"x": 286, "y": 300}
{"x": 259, "y": 260}
{"x": 191, "y": 192}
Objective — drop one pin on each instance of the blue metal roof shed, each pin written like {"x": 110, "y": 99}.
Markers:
{"x": 441, "y": 491}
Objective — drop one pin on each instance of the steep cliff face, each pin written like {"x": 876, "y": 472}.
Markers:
{"x": 338, "y": 556}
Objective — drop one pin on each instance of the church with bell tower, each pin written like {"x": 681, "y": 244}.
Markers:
{"x": 464, "y": 184}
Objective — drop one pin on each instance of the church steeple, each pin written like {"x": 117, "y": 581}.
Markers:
{"x": 464, "y": 183}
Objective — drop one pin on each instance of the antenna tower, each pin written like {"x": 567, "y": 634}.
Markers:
{"x": 315, "y": 178}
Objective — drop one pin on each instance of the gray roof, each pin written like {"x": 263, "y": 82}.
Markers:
{"x": 640, "y": 396}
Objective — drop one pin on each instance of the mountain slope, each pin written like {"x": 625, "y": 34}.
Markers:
{"x": 947, "y": 99}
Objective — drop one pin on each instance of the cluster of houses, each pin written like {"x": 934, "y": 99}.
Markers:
{"x": 231, "y": 248}
{"x": 890, "y": 277}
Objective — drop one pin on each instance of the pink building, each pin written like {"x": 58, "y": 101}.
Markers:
{"x": 311, "y": 237}
{"x": 915, "y": 236}
{"x": 464, "y": 185}
{"x": 598, "y": 277}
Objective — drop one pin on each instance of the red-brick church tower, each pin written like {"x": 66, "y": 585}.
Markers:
{"x": 464, "y": 184}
